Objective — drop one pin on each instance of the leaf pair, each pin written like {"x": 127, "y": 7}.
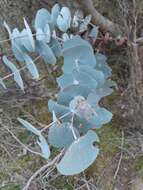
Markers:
{"x": 45, "y": 151}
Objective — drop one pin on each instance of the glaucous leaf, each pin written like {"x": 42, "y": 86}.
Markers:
{"x": 41, "y": 140}
{"x": 43, "y": 17}
{"x": 25, "y": 40}
{"x": 17, "y": 52}
{"x": 77, "y": 78}
{"x": 80, "y": 155}
{"x": 31, "y": 45}
{"x": 65, "y": 79}
{"x": 46, "y": 52}
{"x": 77, "y": 52}
{"x": 44, "y": 147}
{"x": 102, "y": 65}
{"x": 47, "y": 33}
{"x": 64, "y": 19}
{"x": 95, "y": 74}
{"x": 29, "y": 126}
{"x": 101, "y": 117}
{"x": 83, "y": 78}
{"x": 40, "y": 36}
{"x": 31, "y": 66}
{"x": 59, "y": 109}
{"x": 17, "y": 45}
{"x": 94, "y": 32}
{"x": 69, "y": 92}
{"x": 56, "y": 47}
{"x": 16, "y": 38}
{"x": 15, "y": 48}
{"x": 84, "y": 24}
{"x": 15, "y": 71}
{"x": 61, "y": 135}
{"x": 55, "y": 13}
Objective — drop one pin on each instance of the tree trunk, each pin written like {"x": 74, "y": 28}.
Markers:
{"x": 136, "y": 85}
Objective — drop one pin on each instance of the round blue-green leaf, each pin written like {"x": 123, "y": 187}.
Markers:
{"x": 102, "y": 65}
{"x": 61, "y": 135}
{"x": 45, "y": 151}
{"x": 40, "y": 36}
{"x": 95, "y": 74}
{"x": 42, "y": 18}
{"x": 47, "y": 33}
{"x": 65, "y": 80}
{"x": 101, "y": 116}
{"x": 46, "y": 52}
{"x": 84, "y": 78}
{"x": 59, "y": 109}
{"x": 69, "y": 92}
{"x": 77, "y": 52}
{"x": 80, "y": 155}
{"x": 56, "y": 47}
{"x": 55, "y": 13}
{"x": 64, "y": 19}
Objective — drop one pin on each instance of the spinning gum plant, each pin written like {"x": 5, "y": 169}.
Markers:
{"x": 84, "y": 82}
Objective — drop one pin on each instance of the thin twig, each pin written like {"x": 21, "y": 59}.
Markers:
{"x": 63, "y": 116}
{"x": 21, "y": 69}
{"x": 121, "y": 156}
{"x": 23, "y": 145}
{"x": 34, "y": 34}
{"x": 42, "y": 169}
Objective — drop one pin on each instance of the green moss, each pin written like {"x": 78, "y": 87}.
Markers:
{"x": 3, "y": 176}
{"x": 24, "y": 136}
{"x": 138, "y": 166}
{"x": 23, "y": 162}
{"x": 110, "y": 139}
{"x": 63, "y": 183}
{"x": 39, "y": 108}
{"x": 114, "y": 96}
{"x": 11, "y": 187}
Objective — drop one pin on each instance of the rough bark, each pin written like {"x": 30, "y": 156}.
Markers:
{"x": 136, "y": 85}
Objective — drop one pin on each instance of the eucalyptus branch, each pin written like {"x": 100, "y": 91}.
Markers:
{"x": 21, "y": 69}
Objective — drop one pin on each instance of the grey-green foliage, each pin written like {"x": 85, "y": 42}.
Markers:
{"x": 84, "y": 82}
